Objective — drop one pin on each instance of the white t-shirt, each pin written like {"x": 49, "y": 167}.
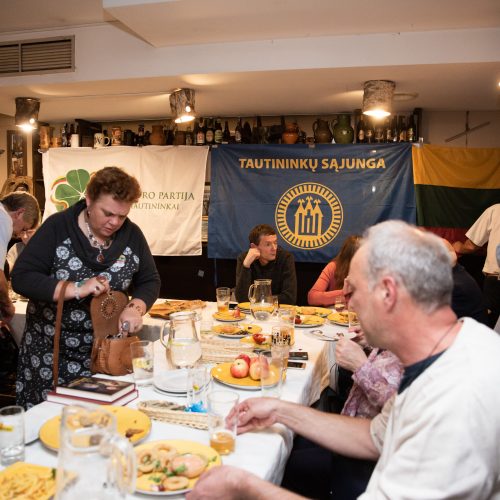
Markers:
{"x": 440, "y": 437}
{"x": 6, "y": 229}
{"x": 487, "y": 229}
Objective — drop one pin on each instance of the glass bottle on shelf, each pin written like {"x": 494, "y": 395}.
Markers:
{"x": 379, "y": 131}
{"x": 402, "y": 129}
{"x": 209, "y": 132}
{"x": 200, "y": 136}
{"x": 369, "y": 132}
{"x": 238, "y": 132}
{"x": 360, "y": 131}
{"x": 226, "y": 135}
{"x": 394, "y": 129}
{"x": 140, "y": 135}
{"x": 387, "y": 130}
{"x": 246, "y": 134}
{"x": 218, "y": 134}
{"x": 64, "y": 138}
{"x": 410, "y": 131}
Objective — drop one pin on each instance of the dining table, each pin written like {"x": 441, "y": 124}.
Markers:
{"x": 263, "y": 453}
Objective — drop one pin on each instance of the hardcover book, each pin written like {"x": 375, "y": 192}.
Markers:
{"x": 100, "y": 389}
{"x": 65, "y": 399}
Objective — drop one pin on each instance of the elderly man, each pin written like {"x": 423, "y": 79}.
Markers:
{"x": 265, "y": 260}
{"x": 438, "y": 436}
{"x": 19, "y": 213}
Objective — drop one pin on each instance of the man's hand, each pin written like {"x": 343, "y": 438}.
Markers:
{"x": 252, "y": 255}
{"x": 349, "y": 355}
{"x": 219, "y": 483}
{"x": 256, "y": 413}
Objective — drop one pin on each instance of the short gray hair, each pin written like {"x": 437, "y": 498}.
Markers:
{"x": 416, "y": 259}
{"x": 20, "y": 199}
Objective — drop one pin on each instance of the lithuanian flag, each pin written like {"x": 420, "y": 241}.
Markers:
{"x": 453, "y": 186}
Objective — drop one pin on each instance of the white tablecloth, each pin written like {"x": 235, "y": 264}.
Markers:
{"x": 264, "y": 453}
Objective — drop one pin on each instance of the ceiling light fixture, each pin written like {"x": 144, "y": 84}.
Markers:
{"x": 182, "y": 105}
{"x": 377, "y": 98}
{"x": 27, "y": 109}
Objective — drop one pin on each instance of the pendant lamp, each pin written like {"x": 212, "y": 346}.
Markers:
{"x": 377, "y": 98}
{"x": 27, "y": 109}
{"x": 182, "y": 105}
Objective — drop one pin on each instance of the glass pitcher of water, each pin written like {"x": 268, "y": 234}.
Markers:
{"x": 180, "y": 338}
{"x": 93, "y": 461}
{"x": 260, "y": 296}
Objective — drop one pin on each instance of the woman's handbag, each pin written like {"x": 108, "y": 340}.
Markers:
{"x": 110, "y": 353}
{"x": 110, "y": 350}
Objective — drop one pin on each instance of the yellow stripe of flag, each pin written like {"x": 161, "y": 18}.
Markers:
{"x": 475, "y": 168}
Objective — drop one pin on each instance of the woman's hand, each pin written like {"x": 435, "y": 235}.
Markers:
{"x": 132, "y": 314}
{"x": 94, "y": 286}
{"x": 349, "y": 355}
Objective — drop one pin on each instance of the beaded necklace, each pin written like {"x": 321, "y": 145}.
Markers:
{"x": 95, "y": 242}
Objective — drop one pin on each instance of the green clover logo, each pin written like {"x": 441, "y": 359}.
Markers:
{"x": 69, "y": 189}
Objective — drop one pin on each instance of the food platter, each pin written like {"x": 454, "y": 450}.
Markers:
{"x": 221, "y": 373}
{"x": 264, "y": 345}
{"x": 22, "y": 480}
{"x": 310, "y": 321}
{"x": 342, "y": 318}
{"x": 334, "y": 337}
{"x": 166, "y": 308}
{"x": 148, "y": 483}
{"x": 130, "y": 422}
{"x": 229, "y": 317}
{"x": 244, "y": 306}
{"x": 229, "y": 331}
{"x": 314, "y": 311}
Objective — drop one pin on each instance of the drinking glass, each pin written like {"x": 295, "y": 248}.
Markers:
{"x": 339, "y": 303}
{"x": 223, "y": 294}
{"x": 142, "y": 353}
{"x": 11, "y": 435}
{"x": 272, "y": 368}
{"x": 221, "y": 429}
{"x": 198, "y": 381}
{"x": 353, "y": 319}
{"x": 286, "y": 318}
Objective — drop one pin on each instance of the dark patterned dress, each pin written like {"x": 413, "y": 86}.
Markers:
{"x": 123, "y": 270}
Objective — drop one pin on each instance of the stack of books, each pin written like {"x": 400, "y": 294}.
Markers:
{"x": 94, "y": 390}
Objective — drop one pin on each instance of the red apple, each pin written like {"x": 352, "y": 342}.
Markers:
{"x": 239, "y": 368}
{"x": 254, "y": 371}
{"x": 246, "y": 357}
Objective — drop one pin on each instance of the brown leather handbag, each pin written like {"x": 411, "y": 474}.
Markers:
{"x": 110, "y": 351}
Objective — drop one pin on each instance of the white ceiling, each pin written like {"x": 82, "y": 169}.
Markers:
{"x": 266, "y": 57}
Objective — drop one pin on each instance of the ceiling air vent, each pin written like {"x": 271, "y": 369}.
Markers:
{"x": 48, "y": 55}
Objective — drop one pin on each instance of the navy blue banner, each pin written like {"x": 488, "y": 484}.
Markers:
{"x": 314, "y": 197}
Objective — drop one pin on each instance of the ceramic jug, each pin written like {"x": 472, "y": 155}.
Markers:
{"x": 322, "y": 132}
{"x": 93, "y": 461}
{"x": 291, "y": 134}
{"x": 181, "y": 340}
{"x": 260, "y": 296}
{"x": 44, "y": 136}
{"x": 343, "y": 133}
{"x": 157, "y": 137}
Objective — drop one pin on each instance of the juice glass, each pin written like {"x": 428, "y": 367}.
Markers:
{"x": 221, "y": 428}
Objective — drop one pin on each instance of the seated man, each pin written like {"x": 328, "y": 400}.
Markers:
{"x": 265, "y": 260}
{"x": 438, "y": 436}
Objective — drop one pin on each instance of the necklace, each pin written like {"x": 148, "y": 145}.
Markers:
{"x": 95, "y": 242}
{"x": 445, "y": 334}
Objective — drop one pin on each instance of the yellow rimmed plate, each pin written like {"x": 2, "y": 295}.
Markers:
{"x": 144, "y": 482}
{"x": 128, "y": 420}
{"x": 244, "y": 306}
{"x": 310, "y": 321}
{"x": 22, "y": 480}
{"x": 313, "y": 310}
{"x": 264, "y": 345}
{"x": 341, "y": 319}
{"x": 229, "y": 317}
{"x": 222, "y": 374}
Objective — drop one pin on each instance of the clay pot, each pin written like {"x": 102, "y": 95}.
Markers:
{"x": 291, "y": 134}
{"x": 157, "y": 137}
{"x": 322, "y": 132}
{"x": 44, "y": 136}
{"x": 343, "y": 133}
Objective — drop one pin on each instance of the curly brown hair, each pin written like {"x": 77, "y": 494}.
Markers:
{"x": 343, "y": 259}
{"x": 116, "y": 182}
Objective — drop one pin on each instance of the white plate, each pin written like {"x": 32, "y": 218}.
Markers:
{"x": 301, "y": 325}
{"x": 172, "y": 381}
{"x": 332, "y": 337}
{"x": 235, "y": 336}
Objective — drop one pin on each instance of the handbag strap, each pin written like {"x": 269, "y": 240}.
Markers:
{"x": 57, "y": 332}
